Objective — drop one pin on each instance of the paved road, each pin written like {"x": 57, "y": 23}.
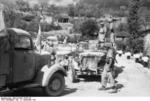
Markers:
{"x": 132, "y": 80}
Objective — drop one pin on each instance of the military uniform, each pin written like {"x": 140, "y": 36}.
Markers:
{"x": 108, "y": 71}
{"x": 102, "y": 33}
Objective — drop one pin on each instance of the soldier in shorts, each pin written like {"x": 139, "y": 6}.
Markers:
{"x": 107, "y": 75}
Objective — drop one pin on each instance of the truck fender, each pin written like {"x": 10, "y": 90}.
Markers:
{"x": 47, "y": 72}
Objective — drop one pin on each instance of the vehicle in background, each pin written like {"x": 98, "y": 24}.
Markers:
{"x": 89, "y": 60}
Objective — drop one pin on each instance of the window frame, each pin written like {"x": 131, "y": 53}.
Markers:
{"x": 21, "y": 48}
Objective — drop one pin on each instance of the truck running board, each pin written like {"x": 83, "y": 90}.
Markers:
{"x": 7, "y": 90}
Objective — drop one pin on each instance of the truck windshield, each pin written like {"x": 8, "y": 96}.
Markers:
{"x": 23, "y": 43}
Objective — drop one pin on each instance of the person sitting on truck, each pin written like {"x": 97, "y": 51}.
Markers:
{"x": 102, "y": 33}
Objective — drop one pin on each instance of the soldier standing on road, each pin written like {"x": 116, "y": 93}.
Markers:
{"x": 108, "y": 71}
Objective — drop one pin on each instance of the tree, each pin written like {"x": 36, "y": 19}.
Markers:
{"x": 36, "y": 7}
{"x": 133, "y": 22}
{"x": 54, "y": 10}
{"x": 115, "y": 4}
{"x": 8, "y": 3}
{"x": 122, "y": 28}
{"x": 71, "y": 11}
{"x": 43, "y": 6}
{"x": 89, "y": 28}
{"x": 23, "y": 5}
{"x": 10, "y": 17}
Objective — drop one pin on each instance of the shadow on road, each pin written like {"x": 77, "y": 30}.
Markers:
{"x": 27, "y": 92}
{"x": 93, "y": 78}
{"x": 68, "y": 91}
{"x": 118, "y": 70}
{"x": 36, "y": 92}
{"x": 120, "y": 86}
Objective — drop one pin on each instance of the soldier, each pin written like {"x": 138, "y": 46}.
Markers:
{"x": 112, "y": 37}
{"x": 108, "y": 71}
{"x": 102, "y": 33}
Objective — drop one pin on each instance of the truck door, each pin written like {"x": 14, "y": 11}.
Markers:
{"x": 23, "y": 60}
{"x": 4, "y": 61}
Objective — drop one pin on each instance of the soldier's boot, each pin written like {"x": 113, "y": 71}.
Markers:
{"x": 102, "y": 88}
{"x": 114, "y": 90}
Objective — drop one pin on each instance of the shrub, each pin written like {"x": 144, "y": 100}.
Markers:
{"x": 76, "y": 25}
{"x": 121, "y": 45}
{"x": 89, "y": 28}
{"x": 136, "y": 45}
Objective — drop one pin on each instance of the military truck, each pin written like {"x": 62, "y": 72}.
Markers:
{"x": 21, "y": 66}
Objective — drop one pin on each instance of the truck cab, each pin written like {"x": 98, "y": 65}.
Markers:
{"x": 21, "y": 66}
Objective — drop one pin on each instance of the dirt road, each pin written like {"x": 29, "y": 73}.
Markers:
{"x": 132, "y": 80}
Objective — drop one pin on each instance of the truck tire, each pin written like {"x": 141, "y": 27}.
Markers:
{"x": 56, "y": 85}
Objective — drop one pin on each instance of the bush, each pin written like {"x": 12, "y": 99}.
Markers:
{"x": 76, "y": 25}
{"x": 122, "y": 28}
{"x": 89, "y": 28}
{"x": 74, "y": 38}
{"x": 10, "y": 17}
{"x": 121, "y": 45}
{"x": 136, "y": 45}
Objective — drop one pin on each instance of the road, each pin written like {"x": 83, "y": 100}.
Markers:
{"x": 132, "y": 80}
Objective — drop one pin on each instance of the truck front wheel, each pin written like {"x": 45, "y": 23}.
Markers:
{"x": 56, "y": 85}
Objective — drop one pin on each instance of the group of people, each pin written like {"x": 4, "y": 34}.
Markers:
{"x": 109, "y": 70}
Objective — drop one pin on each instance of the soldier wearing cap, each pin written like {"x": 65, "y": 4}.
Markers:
{"x": 112, "y": 37}
{"x": 102, "y": 33}
{"x": 108, "y": 71}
